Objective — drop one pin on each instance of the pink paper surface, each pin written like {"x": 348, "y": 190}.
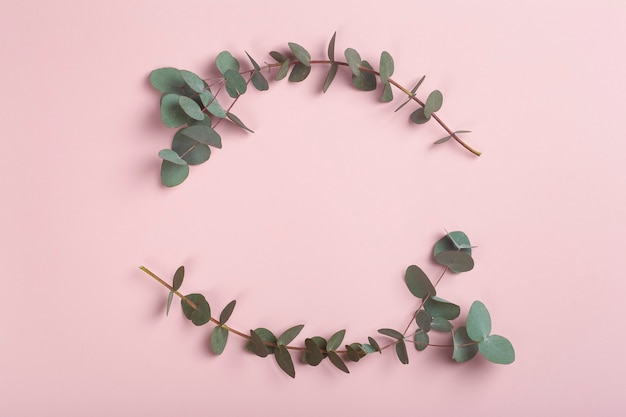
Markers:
{"x": 313, "y": 219}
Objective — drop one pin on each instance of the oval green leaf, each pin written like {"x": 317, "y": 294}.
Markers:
{"x": 386, "y": 66}
{"x": 365, "y": 81}
{"x": 352, "y": 353}
{"x": 336, "y": 360}
{"x": 256, "y": 345}
{"x": 387, "y": 93}
{"x": 440, "y": 324}
{"x": 219, "y": 337}
{"x": 283, "y": 71}
{"x": 354, "y": 61}
{"x": 418, "y": 283}
{"x": 167, "y": 80}
{"x": 464, "y": 348}
{"x": 433, "y": 103}
{"x": 172, "y": 115}
{"x": 456, "y": 260}
{"x": 202, "y": 134}
{"x": 171, "y": 156}
{"x": 438, "y": 307}
{"x": 179, "y": 275}
{"x": 226, "y": 62}
{"x": 421, "y": 340}
{"x": 401, "y": 352}
{"x": 335, "y": 340}
{"x": 237, "y": 121}
{"x": 418, "y": 117}
{"x": 497, "y": 349}
{"x": 259, "y": 82}
{"x": 191, "y": 108}
{"x": 227, "y": 312}
{"x": 278, "y": 57}
{"x": 192, "y": 152}
{"x": 299, "y": 72}
{"x": 235, "y": 84}
{"x": 391, "y": 333}
{"x": 283, "y": 358}
{"x": 192, "y": 80}
{"x": 289, "y": 334}
{"x": 478, "y": 322}
{"x": 424, "y": 320}
{"x": 374, "y": 344}
{"x": 301, "y": 54}
{"x": 201, "y": 314}
{"x": 173, "y": 174}
{"x": 313, "y": 355}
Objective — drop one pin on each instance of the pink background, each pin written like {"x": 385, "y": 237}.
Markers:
{"x": 314, "y": 218}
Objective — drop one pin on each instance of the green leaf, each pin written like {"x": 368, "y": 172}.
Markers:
{"x": 335, "y": 340}
{"x": 256, "y": 345}
{"x": 227, "y": 312}
{"x": 219, "y": 337}
{"x": 170, "y": 297}
{"x": 440, "y": 324}
{"x": 331, "y": 48}
{"x": 337, "y": 361}
{"x": 283, "y": 71}
{"x": 464, "y": 348}
{"x": 192, "y": 80}
{"x": 314, "y": 353}
{"x": 301, "y": 54}
{"x": 173, "y": 174}
{"x": 283, "y": 358}
{"x": 366, "y": 81}
{"x": 387, "y": 93}
{"x": 259, "y": 82}
{"x": 456, "y": 240}
{"x": 401, "y": 352}
{"x": 203, "y": 134}
{"x": 171, "y": 156}
{"x": 418, "y": 283}
{"x": 167, "y": 80}
{"x": 421, "y": 340}
{"x": 412, "y": 93}
{"x": 354, "y": 352}
{"x": 497, "y": 349}
{"x": 374, "y": 344}
{"x": 424, "y": 320}
{"x": 478, "y": 322}
{"x": 299, "y": 72}
{"x": 236, "y": 120}
{"x": 433, "y": 103}
{"x": 386, "y": 66}
{"x": 456, "y": 260}
{"x": 368, "y": 348}
{"x": 418, "y": 117}
{"x": 192, "y": 152}
{"x": 254, "y": 64}
{"x": 447, "y": 138}
{"x": 438, "y": 307}
{"x": 391, "y": 333}
{"x": 172, "y": 115}
{"x": 265, "y": 336}
{"x": 191, "y": 108}
{"x": 278, "y": 57}
{"x": 354, "y": 61}
{"x": 289, "y": 334}
{"x": 212, "y": 105}
{"x": 330, "y": 77}
{"x": 226, "y": 62}
{"x": 235, "y": 84}
{"x": 179, "y": 275}
{"x": 202, "y": 314}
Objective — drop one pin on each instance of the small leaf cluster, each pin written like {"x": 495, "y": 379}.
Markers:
{"x": 195, "y": 107}
{"x": 434, "y": 313}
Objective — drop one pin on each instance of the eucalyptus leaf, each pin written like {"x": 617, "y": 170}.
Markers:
{"x": 235, "y": 84}
{"x": 192, "y": 152}
{"x": 193, "y": 81}
{"x": 418, "y": 117}
{"x": 366, "y": 80}
{"x": 278, "y": 57}
{"x": 438, "y": 307}
{"x": 202, "y": 134}
{"x": 497, "y": 349}
{"x": 424, "y": 320}
{"x": 331, "y": 48}
{"x": 433, "y": 103}
{"x": 391, "y": 333}
{"x": 367, "y": 348}
{"x": 401, "y": 352}
{"x": 191, "y": 108}
{"x": 283, "y": 71}
{"x": 173, "y": 174}
{"x": 330, "y": 77}
{"x": 170, "y": 297}
{"x": 386, "y": 66}
{"x": 167, "y": 80}
{"x": 212, "y": 105}
{"x": 478, "y": 322}
{"x": 179, "y": 275}
{"x": 440, "y": 324}
{"x": 172, "y": 115}
{"x": 374, "y": 344}
{"x": 418, "y": 283}
{"x": 283, "y": 358}
{"x": 256, "y": 345}
{"x": 413, "y": 90}
{"x": 336, "y": 360}
{"x": 237, "y": 121}
{"x": 199, "y": 315}
{"x": 226, "y": 62}
{"x": 353, "y": 352}
{"x": 464, "y": 348}
{"x": 301, "y": 54}
{"x": 227, "y": 311}
{"x": 289, "y": 334}
{"x": 354, "y": 61}
{"x": 219, "y": 337}
{"x": 265, "y": 336}
{"x": 259, "y": 82}
{"x": 387, "y": 93}
{"x": 456, "y": 260}
{"x": 299, "y": 72}
{"x": 421, "y": 340}
{"x": 447, "y": 138}
{"x": 335, "y": 340}
{"x": 313, "y": 354}
{"x": 254, "y": 63}
{"x": 171, "y": 156}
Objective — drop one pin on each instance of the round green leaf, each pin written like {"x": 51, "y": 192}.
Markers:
{"x": 497, "y": 349}
{"x": 192, "y": 80}
{"x": 301, "y": 54}
{"x": 226, "y": 62}
{"x": 191, "y": 108}
{"x": 172, "y": 115}
{"x": 203, "y": 134}
{"x": 219, "y": 337}
{"x": 191, "y": 151}
{"x": 418, "y": 117}
{"x": 171, "y": 156}
{"x": 353, "y": 352}
{"x": 256, "y": 345}
{"x": 365, "y": 81}
{"x": 283, "y": 71}
{"x": 423, "y": 320}
{"x": 433, "y": 103}
{"x": 374, "y": 344}
{"x": 212, "y": 105}
{"x": 354, "y": 61}
{"x": 299, "y": 72}
{"x": 313, "y": 355}
{"x": 421, "y": 340}
{"x": 167, "y": 80}
{"x": 418, "y": 283}
{"x": 200, "y": 315}
{"x": 386, "y": 66}
{"x": 464, "y": 348}
{"x": 456, "y": 260}
{"x": 259, "y": 82}
{"x": 453, "y": 241}
{"x": 478, "y": 322}
{"x": 173, "y": 174}
{"x": 438, "y": 307}
{"x": 235, "y": 84}
{"x": 278, "y": 57}
{"x": 335, "y": 340}
{"x": 440, "y": 324}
